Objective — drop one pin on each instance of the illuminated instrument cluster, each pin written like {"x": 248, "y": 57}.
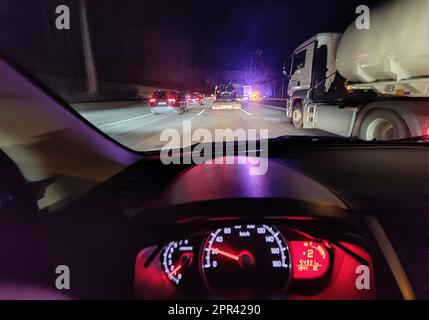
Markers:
{"x": 251, "y": 261}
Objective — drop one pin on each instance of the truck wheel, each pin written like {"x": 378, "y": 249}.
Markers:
{"x": 297, "y": 115}
{"x": 383, "y": 125}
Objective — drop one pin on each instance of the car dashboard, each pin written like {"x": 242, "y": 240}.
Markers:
{"x": 244, "y": 260}
{"x": 327, "y": 223}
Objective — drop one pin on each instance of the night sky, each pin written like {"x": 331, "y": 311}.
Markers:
{"x": 174, "y": 41}
{"x": 220, "y": 34}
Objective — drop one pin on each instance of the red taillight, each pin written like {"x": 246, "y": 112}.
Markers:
{"x": 172, "y": 100}
{"x": 152, "y": 100}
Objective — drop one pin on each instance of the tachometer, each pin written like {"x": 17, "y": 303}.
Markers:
{"x": 246, "y": 261}
{"x": 177, "y": 257}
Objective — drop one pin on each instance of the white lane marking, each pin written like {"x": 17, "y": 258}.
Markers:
{"x": 246, "y": 112}
{"x": 122, "y": 121}
{"x": 199, "y": 113}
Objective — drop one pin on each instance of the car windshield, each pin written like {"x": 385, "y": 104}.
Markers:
{"x": 117, "y": 64}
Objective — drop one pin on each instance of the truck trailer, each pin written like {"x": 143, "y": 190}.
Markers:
{"x": 370, "y": 83}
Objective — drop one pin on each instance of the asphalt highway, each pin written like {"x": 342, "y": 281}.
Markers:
{"x": 134, "y": 125}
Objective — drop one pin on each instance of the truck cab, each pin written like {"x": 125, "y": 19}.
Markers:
{"x": 312, "y": 62}
{"x": 314, "y": 78}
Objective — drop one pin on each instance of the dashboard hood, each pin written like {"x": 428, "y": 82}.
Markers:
{"x": 211, "y": 181}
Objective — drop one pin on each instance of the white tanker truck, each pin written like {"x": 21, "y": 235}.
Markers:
{"x": 372, "y": 84}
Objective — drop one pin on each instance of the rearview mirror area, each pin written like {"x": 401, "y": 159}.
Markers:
{"x": 287, "y": 66}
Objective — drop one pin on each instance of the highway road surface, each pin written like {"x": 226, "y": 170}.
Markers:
{"x": 133, "y": 124}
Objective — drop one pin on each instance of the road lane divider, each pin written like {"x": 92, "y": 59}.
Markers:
{"x": 200, "y": 113}
{"x": 246, "y": 112}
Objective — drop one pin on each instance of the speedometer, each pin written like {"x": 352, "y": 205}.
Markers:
{"x": 246, "y": 261}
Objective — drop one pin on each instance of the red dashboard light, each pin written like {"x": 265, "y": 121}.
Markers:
{"x": 310, "y": 260}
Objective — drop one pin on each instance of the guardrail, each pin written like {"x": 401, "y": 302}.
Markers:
{"x": 75, "y": 90}
{"x": 273, "y": 102}
{"x": 275, "y": 99}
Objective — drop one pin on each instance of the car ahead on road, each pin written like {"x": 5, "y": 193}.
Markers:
{"x": 188, "y": 97}
{"x": 165, "y": 101}
{"x": 197, "y": 98}
{"x": 226, "y": 98}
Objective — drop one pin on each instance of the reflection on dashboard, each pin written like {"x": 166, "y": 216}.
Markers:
{"x": 252, "y": 261}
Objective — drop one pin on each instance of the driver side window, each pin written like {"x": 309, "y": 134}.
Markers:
{"x": 298, "y": 61}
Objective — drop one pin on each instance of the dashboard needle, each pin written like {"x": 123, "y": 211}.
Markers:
{"x": 226, "y": 254}
{"x": 174, "y": 271}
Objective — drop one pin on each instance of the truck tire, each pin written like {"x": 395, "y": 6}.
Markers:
{"x": 383, "y": 125}
{"x": 297, "y": 115}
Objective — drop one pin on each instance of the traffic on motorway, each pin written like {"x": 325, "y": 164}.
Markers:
{"x": 214, "y": 151}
